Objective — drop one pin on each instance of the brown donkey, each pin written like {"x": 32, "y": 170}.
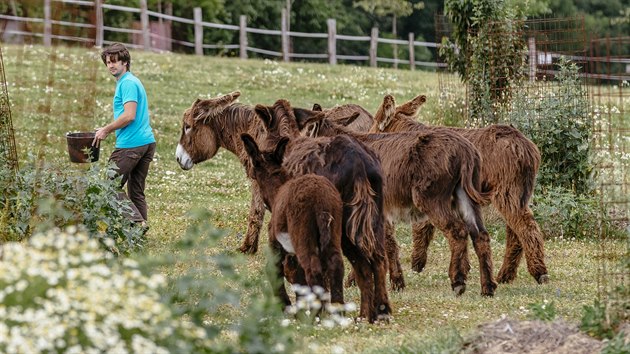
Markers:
{"x": 306, "y": 214}
{"x": 427, "y": 175}
{"x": 510, "y": 163}
{"x": 218, "y": 123}
{"x": 357, "y": 175}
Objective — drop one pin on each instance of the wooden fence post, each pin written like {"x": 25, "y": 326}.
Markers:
{"x": 533, "y": 58}
{"x": 285, "y": 36}
{"x": 332, "y": 41}
{"x": 412, "y": 52}
{"x": 47, "y": 24}
{"x": 144, "y": 19}
{"x": 373, "y": 46}
{"x": 198, "y": 31}
{"x": 243, "y": 37}
{"x": 98, "y": 9}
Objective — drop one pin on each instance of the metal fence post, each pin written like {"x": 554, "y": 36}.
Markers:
{"x": 98, "y": 9}
{"x": 533, "y": 58}
{"x": 47, "y": 24}
{"x": 198, "y": 31}
{"x": 243, "y": 37}
{"x": 412, "y": 52}
{"x": 332, "y": 41}
{"x": 373, "y": 46}
{"x": 144, "y": 19}
{"x": 285, "y": 36}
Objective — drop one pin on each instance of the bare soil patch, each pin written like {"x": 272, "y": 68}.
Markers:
{"x": 513, "y": 336}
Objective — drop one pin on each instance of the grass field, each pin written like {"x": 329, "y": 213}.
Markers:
{"x": 54, "y": 91}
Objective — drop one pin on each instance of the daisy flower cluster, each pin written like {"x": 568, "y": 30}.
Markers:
{"x": 60, "y": 292}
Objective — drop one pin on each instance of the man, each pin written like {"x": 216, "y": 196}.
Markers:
{"x": 135, "y": 143}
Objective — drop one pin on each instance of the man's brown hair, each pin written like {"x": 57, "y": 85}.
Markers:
{"x": 116, "y": 52}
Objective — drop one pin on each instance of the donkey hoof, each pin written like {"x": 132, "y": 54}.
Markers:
{"x": 459, "y": 289}
{"x": 488, "y": 291}
{"x": 504, "y": 278}
{"x": 417, "y": 268}
{"x": 543, "y": 279}
{"x": 398, "y": 284}
{"x": 248, "y": 249}
{"x": 350, "y": 282}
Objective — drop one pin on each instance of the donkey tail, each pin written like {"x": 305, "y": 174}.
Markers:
{"x": 364, "y": 211}
{"x": 471, "y": 178}
{"x": 324, "y": 225}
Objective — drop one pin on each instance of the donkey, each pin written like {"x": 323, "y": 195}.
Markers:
{"x": 218, "y": 123}
{"x": 509, "y": 166}
{"x": 357, "y": 175}
{"x": 306, "y": 214}
{"x": 432, "y": 175}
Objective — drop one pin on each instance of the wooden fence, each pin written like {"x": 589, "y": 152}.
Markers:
{"x": 147, "y": 37}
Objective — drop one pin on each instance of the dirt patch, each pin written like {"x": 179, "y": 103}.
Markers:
{"x": 512, "y": 336}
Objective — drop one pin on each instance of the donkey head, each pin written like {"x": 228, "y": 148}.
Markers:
{"x": 266, "y": 166}
{"x": 198, "y": 141}
{"x": 308, "y": 121}
{"x": 279, "y": 119}
{"x": 388, "y": 113}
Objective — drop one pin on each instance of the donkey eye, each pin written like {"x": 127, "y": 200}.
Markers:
{"x": 186, "y": 128}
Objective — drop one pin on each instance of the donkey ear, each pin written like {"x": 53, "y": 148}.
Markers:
{"x": 346, "y": 121}
{"x": 264, "y": 114}
{"x": 385, "y": 112}
{"x": 235, "y": 95}
{"x": 317, "y": 107}
{"x": 304, "y": 117}
{"x": 281, "y": 148}
{"x": 410, "y": 108}
{"x": 250, "y": 146}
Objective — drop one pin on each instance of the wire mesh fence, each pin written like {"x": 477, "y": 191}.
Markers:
{"x": 8, "y": 153}
{"x": 559, "y": 81}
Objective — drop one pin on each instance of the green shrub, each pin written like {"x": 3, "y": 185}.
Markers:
{"x": 48, "y": 196}
{"x": 619, "y": 344}
{"x": 205, "y": 291}
{"x": 62, "y": 293}
{"x": 562, "y": 213}
{"x": 555, "y": 119}
{"x": 544, "y": 312}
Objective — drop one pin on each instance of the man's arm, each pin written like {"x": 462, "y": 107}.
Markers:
{"x": 122, "y": 121}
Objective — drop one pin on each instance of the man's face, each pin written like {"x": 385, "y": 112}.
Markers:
{"x": 117, "y": 67}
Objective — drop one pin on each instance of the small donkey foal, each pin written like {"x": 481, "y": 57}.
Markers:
{"x": 306, "y": 219}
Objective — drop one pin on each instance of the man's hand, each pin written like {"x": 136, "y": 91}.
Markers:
{"x": 101, "y": 133}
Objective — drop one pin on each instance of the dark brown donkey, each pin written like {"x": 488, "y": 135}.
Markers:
{"x": 509, "y": 166}
{"x": 357, "y": 175}
{"x": 218, "y": 123}
{"x": 432, "y": 175}
{"x": 306, "y": 214}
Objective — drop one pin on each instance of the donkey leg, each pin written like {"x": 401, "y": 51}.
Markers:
{"x": 281, "y": 291}
{"x": 527, "y": 234}
{"x": 512, "y": 257}
{"x": 364, "y": 278}
{"x": 481, "y": 243}
{"x": 335, "y": 277}
{"x": 254, "y": 221}
{"x": 422, "y": 234}
{"x": 396, "y": 276}
{"x": 532, "y": 240}
{"x": 382, "y": 305}
{"x": 459, "y": 265}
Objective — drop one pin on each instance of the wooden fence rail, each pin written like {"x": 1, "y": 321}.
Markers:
{"x": 148, "y": 39}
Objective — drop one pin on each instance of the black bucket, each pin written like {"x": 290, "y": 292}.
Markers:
{"x": 77, "y": 143}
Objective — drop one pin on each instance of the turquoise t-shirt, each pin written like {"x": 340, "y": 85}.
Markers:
{"x": 138, "y": 132}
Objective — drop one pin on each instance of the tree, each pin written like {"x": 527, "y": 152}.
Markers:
{"x": 394, "y": 8}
